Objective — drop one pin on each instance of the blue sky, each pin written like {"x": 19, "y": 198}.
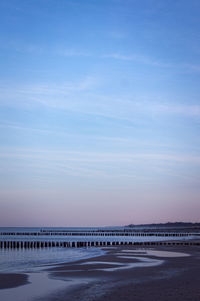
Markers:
{"x": 99, "y": 112}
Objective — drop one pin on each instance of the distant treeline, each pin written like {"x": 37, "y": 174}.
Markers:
{"x": 167, "y": 225}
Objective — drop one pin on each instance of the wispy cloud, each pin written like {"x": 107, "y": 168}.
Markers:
{"x": 148, "y": 60}
{"x": 99, "y": 165}
{"x": 73, "y": 53}
{"x": 95, "y": 156}
{"x": 117, "y": 34}
{"x": 48, "y": 94}
{"x": 83, "y": 97}
{"x": 190, "y": 67}
{"x": 58, "y": 131}
{"x": 185, "y": 110}
{"x": 62, "y": 51}
{"x": 137, "y": 58}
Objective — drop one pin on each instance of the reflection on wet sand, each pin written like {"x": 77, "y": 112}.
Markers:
{"x": 156, "y": 253}
{"x": 69, "y": 276}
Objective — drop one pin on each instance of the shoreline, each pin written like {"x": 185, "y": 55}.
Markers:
{"x": 122, "y": 274}
{"x": 176, "y": 278}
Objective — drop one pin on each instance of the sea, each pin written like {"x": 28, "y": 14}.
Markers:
{"x": 30, "y": 259}
{"x": 34, "y": 262}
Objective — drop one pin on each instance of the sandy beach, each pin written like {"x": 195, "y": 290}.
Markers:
{"x": 126, "y": 273}
{"x": 165, "y": 278}
{"x": 12, "y": 280}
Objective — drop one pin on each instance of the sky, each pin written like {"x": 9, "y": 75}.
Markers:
{"x": 99, "y": 112}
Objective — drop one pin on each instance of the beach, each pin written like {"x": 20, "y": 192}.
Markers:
{"x": 12, "y": 280}
{"x": 99, "y": 150}
{"x": 125, "y": 273}
{"x": 175, "y": 278}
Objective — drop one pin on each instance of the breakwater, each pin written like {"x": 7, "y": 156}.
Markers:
{"x": 9, "y": 244}
{"x": 94, "y": 238}
{"x": 99, "y": 233}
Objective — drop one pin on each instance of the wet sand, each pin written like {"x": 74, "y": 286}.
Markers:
{"x": 170, "y": 278}
{"x": 12, "y": 280}
{"x": 119, "y": 275}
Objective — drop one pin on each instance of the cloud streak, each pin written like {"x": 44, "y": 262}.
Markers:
{"x": 81, "y": 97}
{"x": 137, "y": 58}
{"x": 94, "y": 157}
{"x": 122, "y": 166}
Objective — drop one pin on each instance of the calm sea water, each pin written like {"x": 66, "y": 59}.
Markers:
{"x": 28, "y": 260}
{"x": 34, "y": 229}
{"x": 34, "y": 261}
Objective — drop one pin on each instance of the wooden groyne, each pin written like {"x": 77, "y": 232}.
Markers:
{"x": 92, "y": 238}
{"x": 99, "y": 233}
{"x": 14, "y": 244}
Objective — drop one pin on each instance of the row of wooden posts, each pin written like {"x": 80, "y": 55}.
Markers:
{"x": 81, "y": 244}
{"x": 166, "y": 234}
